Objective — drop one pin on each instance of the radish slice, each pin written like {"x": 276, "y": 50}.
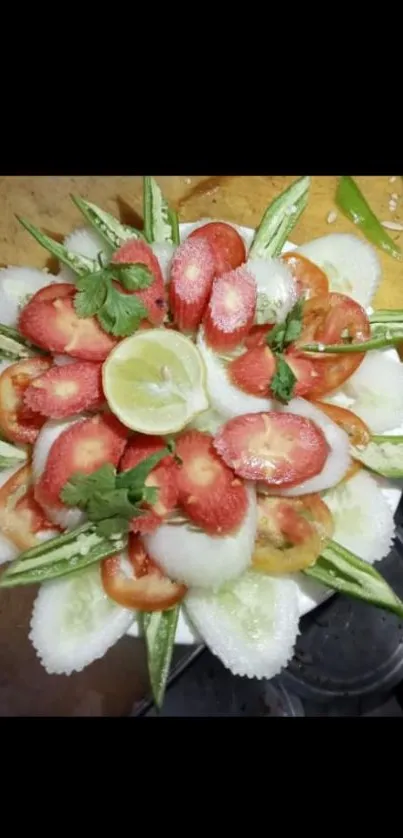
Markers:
{"x": 191, "y": 556}
{"x": 351, "y": 265}
{"x": 74, "y": 622}
{"x": 17, "y": 286}
{"x": 226, "y": 399}
{"x": 85, "y": 242}
{"x": 62, "y": 516}
{"x": 276, "y": 290}
{"x": 338, "y": 459}
{"x": 164, "y": 253}
{"x": 251, "y": 624}
{"x": 362, "y": 516}
{"x": 374, "y": 392}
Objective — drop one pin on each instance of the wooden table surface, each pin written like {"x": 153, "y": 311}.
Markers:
{"x": 110, "y": 686}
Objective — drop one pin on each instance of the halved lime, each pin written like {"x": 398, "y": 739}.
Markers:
{"x": 154, "y": 381}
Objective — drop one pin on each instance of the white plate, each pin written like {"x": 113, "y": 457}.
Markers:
{"x": 310, "y": 593}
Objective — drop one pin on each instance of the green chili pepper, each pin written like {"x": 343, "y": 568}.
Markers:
{"x": 353, "y": 204}
{"x": 342, "y": 571}
{"x": 106, "y": 225}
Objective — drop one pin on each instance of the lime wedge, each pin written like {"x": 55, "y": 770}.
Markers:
{"x": 154, "y": 381}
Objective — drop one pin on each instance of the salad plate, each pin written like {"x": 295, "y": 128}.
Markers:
{"x": 201, "y": 434}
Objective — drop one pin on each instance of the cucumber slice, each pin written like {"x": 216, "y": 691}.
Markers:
{"x": 351, "y": 265}
{"x": 251, "y": 624}
{"x": 17, "y": 286}
{"x": 362, "y": 517}
{"x": 11, "y": 456}
{"x": 74, "y": 622}
{"x": 276, "y": 290}
{"x": 374, "y": 392}
{"x": 160, "y": 220}
{"x": 106, "y": 225}
{"x": 279, "y": 219}
{"x": 224, "y": 398}
{"x": 383, "y": 455}
{"x": 188, "y": 555}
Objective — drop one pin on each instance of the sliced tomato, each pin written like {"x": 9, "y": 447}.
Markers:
{"x": 138, "y": 582}
{"x": 21, "y": 517}
{"x": 310, "y": 279}
{"x": 353, "y": 469}
{"x": 291, "y": 533}
{"x": 17, "y": 421}
{"x": 229, "y": 248}
{"x": 279, "y": 449}
{"x": 50, "y": 320}
{"x": 330, "y": 319}
{"x": 356, "y": 429}
{"x": 304, "y": 371}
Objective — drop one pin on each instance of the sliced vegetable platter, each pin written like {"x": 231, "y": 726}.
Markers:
{"x": 201, "y": 433}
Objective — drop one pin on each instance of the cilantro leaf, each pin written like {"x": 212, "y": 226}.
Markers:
{"x": 134, "y": 276}
{"x": 112, "y": 526}
{"x": 294, "y": 321}
{"x": 276, "y": 338}
{"x": 121, "y": 314}
{"x": 110, "y": 504}
{"x": 283, "y": 381}
{"x": 79, "y": 490}
{"x": 150, "y": 494}
{"x": 285, "y": 333}
{"x": 134, "y": 478}
{"x": 92, "y": 290}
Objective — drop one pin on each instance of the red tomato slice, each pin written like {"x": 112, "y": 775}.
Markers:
{"x": 356, "y": 429}
{"x": 229, "y": 249}
{"x": 50, "y": 320}
{"x": 327, "y": 319}
{"x": 310, "y": 280}
{"x": 139, "y": 583}
{"x": 21, "y": 517}
{"x": 279, "y": 449}
{"x": 17, "y": 421}
{"x": 304, "y": 371}
{"x": 291, "y": 533}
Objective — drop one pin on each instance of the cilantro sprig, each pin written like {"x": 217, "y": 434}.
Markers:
{"x": 278, "y": 339}
{"x": 111, "y": 500}
{"x": 98, "y": 295}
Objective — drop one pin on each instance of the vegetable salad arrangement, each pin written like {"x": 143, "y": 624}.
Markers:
{"x": 197, "y": 425}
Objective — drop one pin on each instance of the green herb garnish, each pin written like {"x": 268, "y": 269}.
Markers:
{"x": 119, "y": 314}
{"x": 111, "y": 500}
